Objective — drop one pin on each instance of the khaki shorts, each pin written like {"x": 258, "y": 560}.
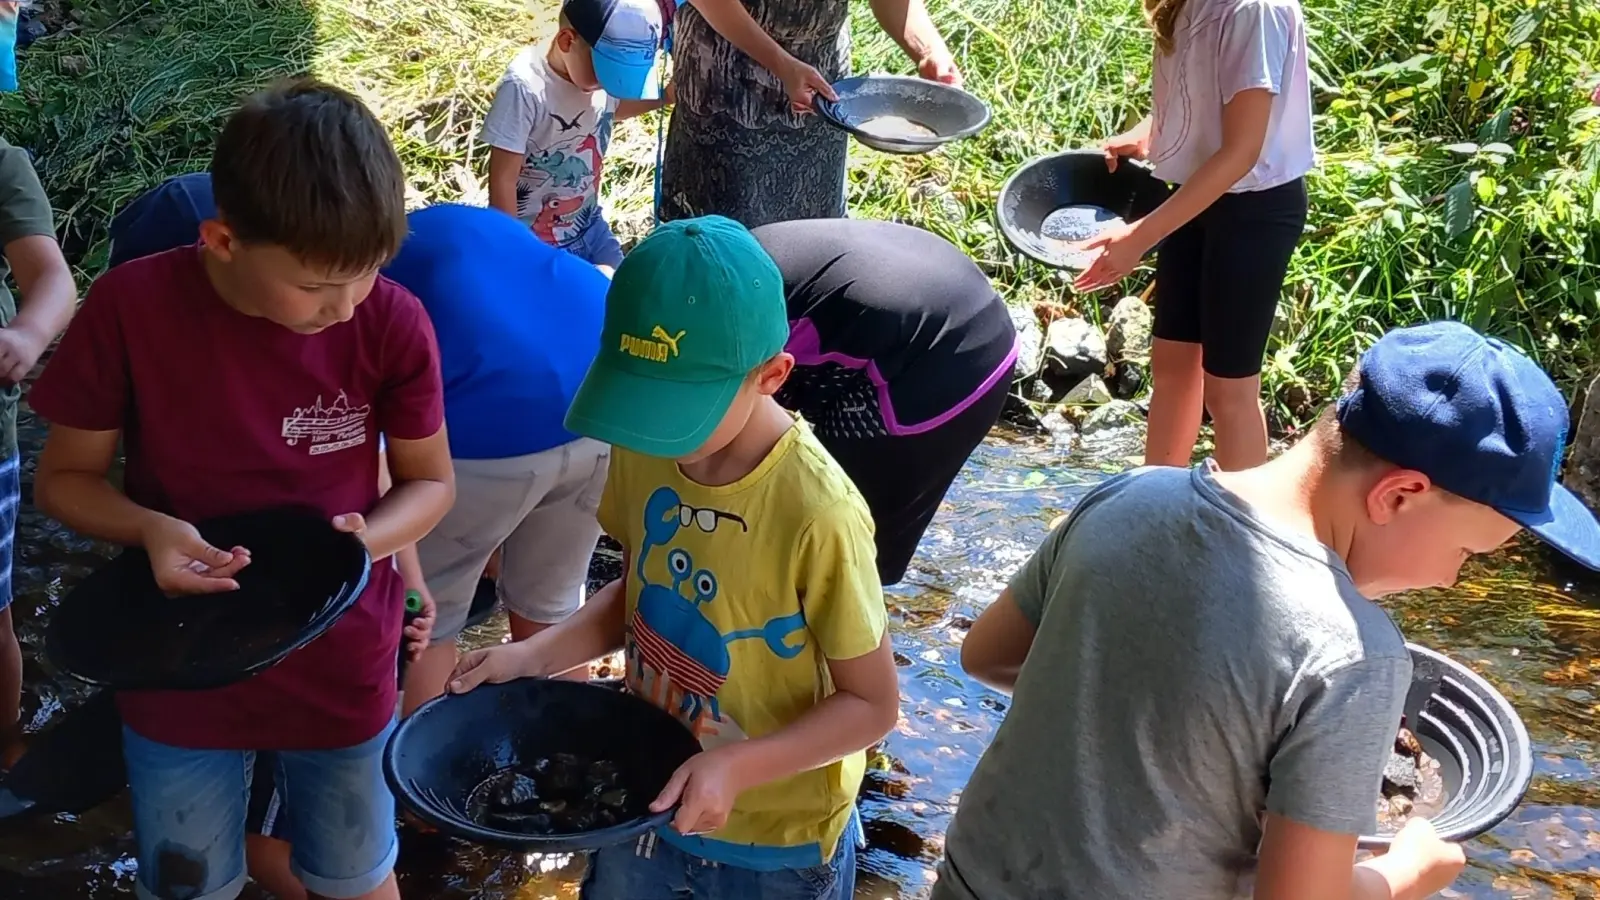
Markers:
{"x": 542, "y": 508}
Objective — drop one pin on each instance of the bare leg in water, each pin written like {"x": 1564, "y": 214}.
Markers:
{"x": 1238, "y": 421}
{"x": 1177, "y": 400}
{"x": 1181, "y": 391}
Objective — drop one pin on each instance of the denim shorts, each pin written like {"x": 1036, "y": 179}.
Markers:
{"x": 652, "y": 869}
{"x": 596, "y": 244}
{"x": 10, "y": 499}
{"x": 189, "y": 810}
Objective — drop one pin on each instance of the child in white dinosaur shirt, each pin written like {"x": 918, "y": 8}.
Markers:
{"x": 551, "y": 118}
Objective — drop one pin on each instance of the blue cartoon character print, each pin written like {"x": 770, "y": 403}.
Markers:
{"x": 671, "y": 632}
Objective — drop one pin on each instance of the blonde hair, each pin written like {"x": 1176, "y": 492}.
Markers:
{"x": 1163, "y": 18}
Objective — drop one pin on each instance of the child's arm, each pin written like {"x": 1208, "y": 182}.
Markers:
{"x": 997, "y": 644}
{"x": 865, "y": 704}
{"x": 424, "y": 488}
{"x": 410, "y": 419}
{"x": 505, "y": 167}
{"x": 627, "y": 109}
{"x": 84, "y": 393}
{"x": 410, "y": 565}
{"x": 28, "y": 240}
{"x": 1298, "y": 862}
{"x": 71, "y": 486}
{"x": 595, "y": 630}
{"x": 908, "y": 23}
{"x": 1244, "y": 130}
{"x": 513, "y": 114}
{"x": 48, "y": 298}
{"x": 846, "y": 621}
{"x": 733, "y": 21}
{"x": 1322, "y": 776}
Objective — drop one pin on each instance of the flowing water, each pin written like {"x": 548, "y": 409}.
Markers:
{"x": 1512, "y": 619}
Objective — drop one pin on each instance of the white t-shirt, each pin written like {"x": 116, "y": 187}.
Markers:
{"x": 562, "y": 132}
{"x": 1222, "y": 47}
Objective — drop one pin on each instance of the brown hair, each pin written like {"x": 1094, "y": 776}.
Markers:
{"x": 307, "y": 167}
{"x": 1163, "y": 18}
{"x": 1337, "y": 446}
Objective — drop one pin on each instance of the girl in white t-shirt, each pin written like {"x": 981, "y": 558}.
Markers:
{"x": 1231, "y": 130}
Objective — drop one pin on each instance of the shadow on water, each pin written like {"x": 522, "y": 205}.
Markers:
{"x": 1524, "y": 627}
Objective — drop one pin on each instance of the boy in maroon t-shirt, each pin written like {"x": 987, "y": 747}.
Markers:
{"x": 255, "y": 370}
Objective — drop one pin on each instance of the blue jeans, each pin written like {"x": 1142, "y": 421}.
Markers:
{"x": 652, "y": 869}
{"x": 597, "y": 245}
{"x": 189, "y": 818}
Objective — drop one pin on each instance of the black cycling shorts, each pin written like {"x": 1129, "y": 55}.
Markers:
{"x": 1219, "y": 277}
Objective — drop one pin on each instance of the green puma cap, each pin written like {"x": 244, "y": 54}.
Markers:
{"x": 692, "y": 311}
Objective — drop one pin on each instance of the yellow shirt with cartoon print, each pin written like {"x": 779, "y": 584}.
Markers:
{"x": 738, "y": 595}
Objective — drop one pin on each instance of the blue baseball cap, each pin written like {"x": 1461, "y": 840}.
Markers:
{"x": 1480, "y": 419}
{"x": 165, "y": 217}
{"x": 626, "y": 37}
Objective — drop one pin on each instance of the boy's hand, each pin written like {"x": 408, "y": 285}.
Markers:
{"x": 671, "y": 93}
{"x": 420, "y": 630}
{"x": 803, "y": 83}
{"x": 352, "y": 523}
{"x": 1438, "y": 862}
{"x": 20, "y": 350}
{"x": 495, "y": 665}
{"x": 705, "y": 788}
{"x": 183, "y": 563}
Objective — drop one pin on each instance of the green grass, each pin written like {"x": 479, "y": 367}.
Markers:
{"x": 1405, "y": 226}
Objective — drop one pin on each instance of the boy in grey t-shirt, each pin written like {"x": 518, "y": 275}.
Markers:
{"x": 1204, "y": 696}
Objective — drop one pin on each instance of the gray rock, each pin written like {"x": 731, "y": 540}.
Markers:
{"x": 1089, "y": 392}
{"x": 1115, "y": 414}
{"x": 1128, "y": 330}
{"x": 1128, "y": 381}
{"x": 1030, "y": 343}
{"x": 1059, "y": 427}
{"x": 941, "y": 198}
{"x": 1582, "y": 475}
{"x": 1039, "y": 391}
{"x": 1073, "y": 348}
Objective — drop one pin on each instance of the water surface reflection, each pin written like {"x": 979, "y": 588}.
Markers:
{"x": 1525, "y": 628}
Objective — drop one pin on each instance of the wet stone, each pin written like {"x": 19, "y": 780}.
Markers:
{"x": 1074, "y": 347}
{"x": 1412, "y": 785}
{"x": 558, "y": 794}
{"x": 1399, "y": 775}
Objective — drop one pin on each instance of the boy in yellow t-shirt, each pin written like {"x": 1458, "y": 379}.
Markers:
{"x": 750, "y": 605}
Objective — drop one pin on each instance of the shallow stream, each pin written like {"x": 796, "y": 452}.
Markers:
{"x": 1512, "y": 618}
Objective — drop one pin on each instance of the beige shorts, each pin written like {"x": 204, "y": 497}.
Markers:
{"x": 542, "y": 508}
